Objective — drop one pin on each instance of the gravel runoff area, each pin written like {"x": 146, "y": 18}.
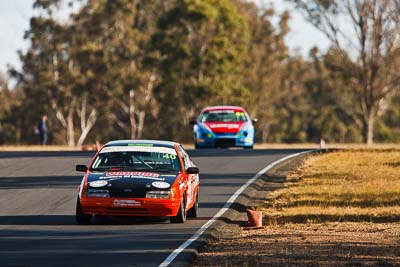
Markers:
{"x": 308, "y": 244}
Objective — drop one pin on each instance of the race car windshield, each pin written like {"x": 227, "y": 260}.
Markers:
{"x": 136, "y": 161}
{"x": 223, "y": 116}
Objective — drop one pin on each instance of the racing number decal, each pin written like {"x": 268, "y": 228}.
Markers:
{"x": 169, "y": 156}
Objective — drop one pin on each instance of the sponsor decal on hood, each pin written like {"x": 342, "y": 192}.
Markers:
{"x": 135, "y": 174}
{"x": 136, "y": 177}
{"x": 161, "y": 185}
{"x": 99, "y": 183}
{"x": 222, "y": 127}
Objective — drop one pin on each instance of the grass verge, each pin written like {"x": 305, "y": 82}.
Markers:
{"x": 340, "y": 186}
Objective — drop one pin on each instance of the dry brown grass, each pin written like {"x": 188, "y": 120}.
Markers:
{"x": 340, "y": 186}
{"x": 328, "y": 146}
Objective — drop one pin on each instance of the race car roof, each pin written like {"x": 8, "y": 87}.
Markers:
{"x": 236, "y": 108}
{"x": 156, "y": 143}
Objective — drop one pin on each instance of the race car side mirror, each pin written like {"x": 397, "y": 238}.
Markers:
{"x": 193, "y": 122}
{"x": 192, "y": 170}
{"x": 254, "y": 120}
{"x": 81, "y": 168}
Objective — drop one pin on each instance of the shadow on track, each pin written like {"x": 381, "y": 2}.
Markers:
{"x": 225, "y": 152}
{"x": 37, "y": 220}
{"x": 25, "y": 182}
{"x": 214, "y": 176}
{"x": 35, "y": 154}
{"x": 70, "y": 220}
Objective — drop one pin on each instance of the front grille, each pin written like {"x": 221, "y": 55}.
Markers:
{"x": 225, "y": 142}
{"x": 119, "y": 211}
{"x": 120, "y": 193}
{"x": 225, "y": 134}
{"x": 123, "y": 183}
{"x": 126, "y": 188}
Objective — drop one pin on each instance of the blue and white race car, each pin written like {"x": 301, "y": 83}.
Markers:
{"x": 223, "y": 126}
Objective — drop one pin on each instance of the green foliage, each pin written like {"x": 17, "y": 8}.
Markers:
{"x": 388, "y": 129}
{"x": 201, "y": 46}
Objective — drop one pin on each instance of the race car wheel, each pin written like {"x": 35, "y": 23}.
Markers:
{"x": 181, "y": 216}
{"x": 192, "y": 213}
{"x": 80, "y": 217}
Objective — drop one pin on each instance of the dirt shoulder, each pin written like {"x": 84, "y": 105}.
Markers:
{"x": 312, "y": 243}
{"x": 329, "y": 244}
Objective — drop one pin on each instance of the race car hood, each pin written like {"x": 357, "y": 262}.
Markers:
{"x": 224, "y": 127}
{"x": 130, "y": 183}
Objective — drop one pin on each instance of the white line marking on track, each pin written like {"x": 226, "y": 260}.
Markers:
{"x": 230, "y": 201}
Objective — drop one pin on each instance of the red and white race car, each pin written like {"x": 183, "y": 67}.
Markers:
{"x": 139, "y": 178}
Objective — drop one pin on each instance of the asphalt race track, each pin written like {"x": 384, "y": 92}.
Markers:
{"x": 37, "y": 216}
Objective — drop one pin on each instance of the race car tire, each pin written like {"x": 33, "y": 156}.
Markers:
{"x": 80, "y": 217}
{"x": 196, "y": 146}
{"x": 181, "y": 216}
{"x": 192, "y": 213}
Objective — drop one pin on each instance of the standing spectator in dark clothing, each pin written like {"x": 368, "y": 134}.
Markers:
{"x": 42, "y": 127}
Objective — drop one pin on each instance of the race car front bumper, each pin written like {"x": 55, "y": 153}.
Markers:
{"x": 224, "y": 141}
{"x": 129, "y": 206}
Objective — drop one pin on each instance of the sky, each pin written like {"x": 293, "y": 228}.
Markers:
{"x": 15, "y": 15}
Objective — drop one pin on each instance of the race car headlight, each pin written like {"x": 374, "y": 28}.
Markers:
{"x": 205, "y": 132}
{"x": 98, "y": 193}
{"x": 158, "y": 194}
{"x": 242, "y": 134}
{"x": 206, "y": 135}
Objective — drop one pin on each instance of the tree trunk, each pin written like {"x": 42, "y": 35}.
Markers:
{"x": 368, "y": 128}
{"x": 265, "y": 132}
{"x": 68, "y": 123}
{"x": 142, "y": 116}
{"x": 87, "y": 126}
{"x": 70, "y": 128}
{"x": 132, "y": 111}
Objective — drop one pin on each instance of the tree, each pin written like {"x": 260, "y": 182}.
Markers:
{"x": 330, "y": 103}
{"x": 4, "y": 94}
{"x": 265, "y": 66}
{"x": 389, "y": 128}
{"x": 51, "y": 74}
{"x": 90, "y": 64}
{"x": 200, "y": 47}
{"x": 369, "y": 51}
{"x": 4, "y": 103}
{"x": 119, "y": 44}
{"x": 11, "y": 119}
